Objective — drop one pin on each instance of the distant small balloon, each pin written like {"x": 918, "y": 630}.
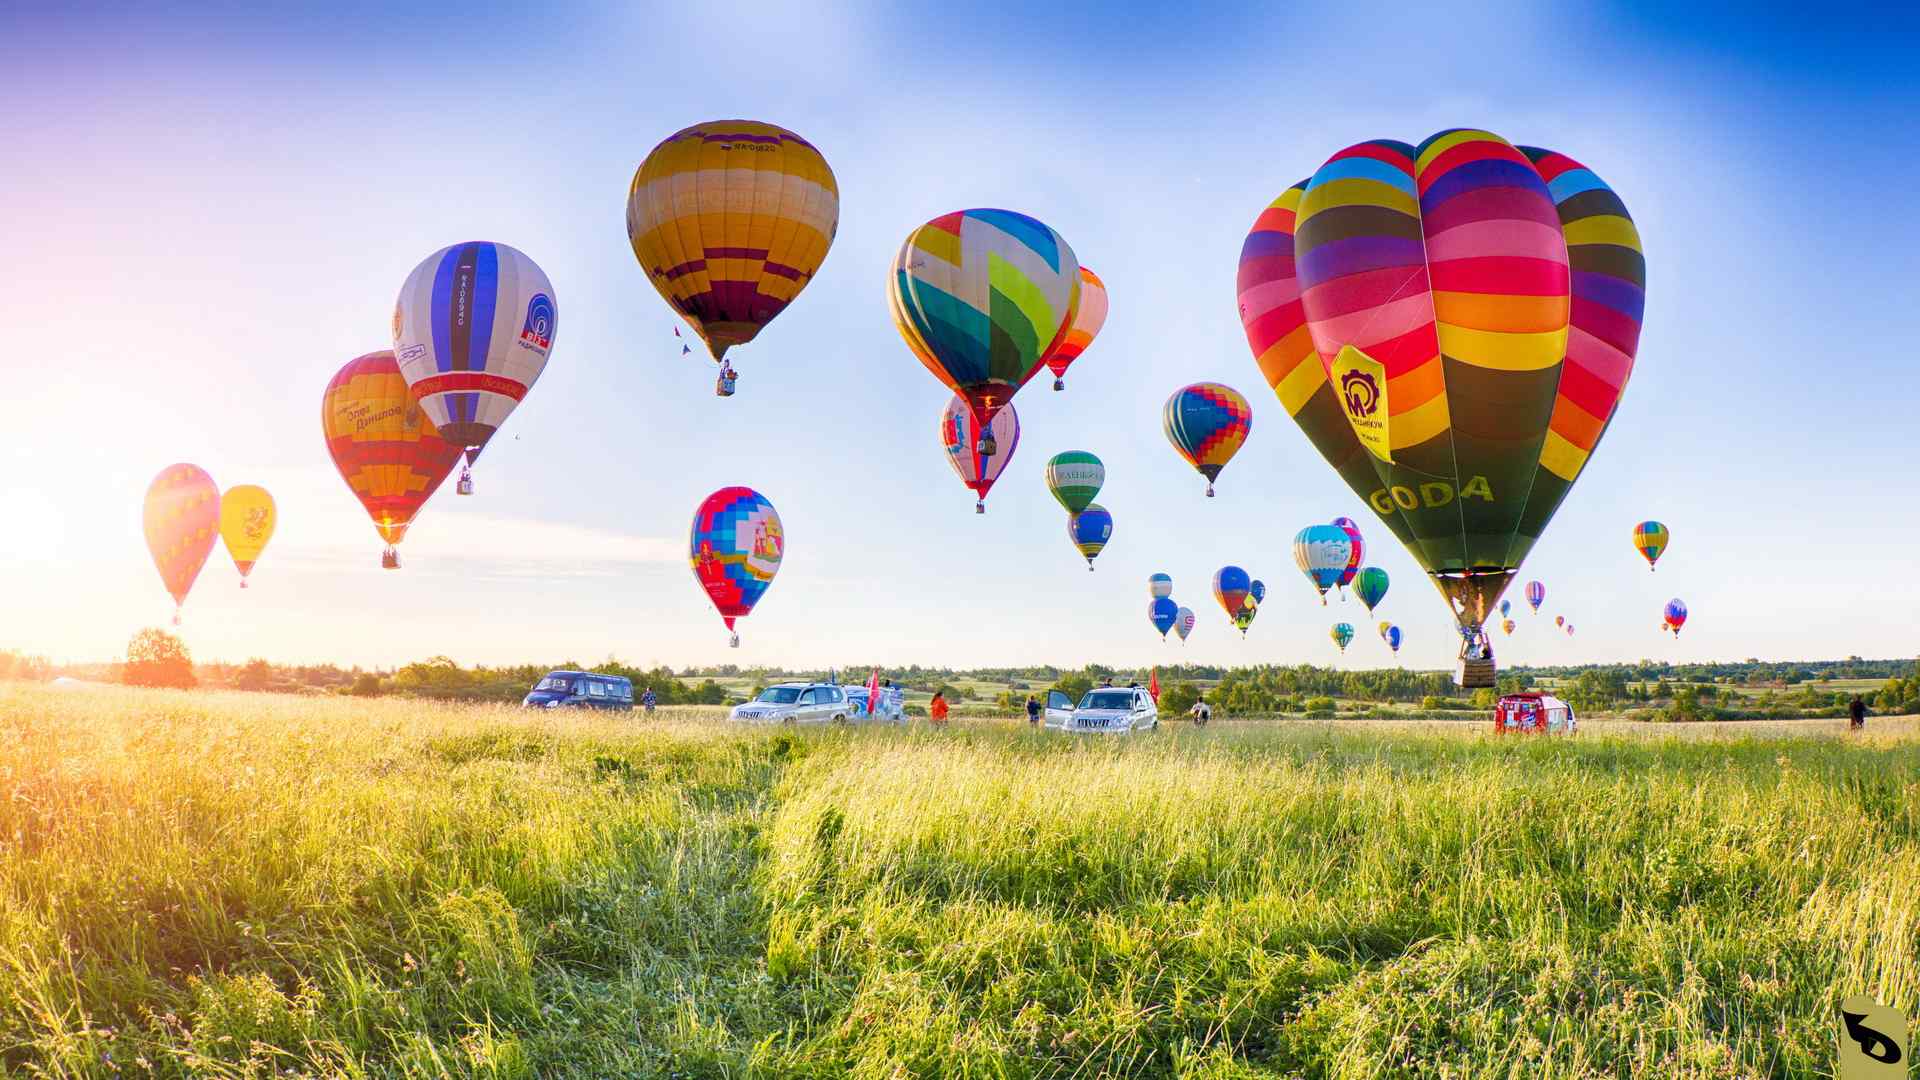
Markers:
{"x": 1207, "y": 423}
{"x": 1162, "y": 613}
{"x": 1159, "y": 585}
{"x": 1342, "y": 634}
{"x": 1090, "y": 529}
{"x": 1650, "y": 538}
{"x": 247, "y": 517}
{"x": 1183, "y": 623}
{"x": 1676, "y": 615}
{"x": 1536, "y": 595}
{"x": 1322, "y": 553}
{"x": 181, "y": 519}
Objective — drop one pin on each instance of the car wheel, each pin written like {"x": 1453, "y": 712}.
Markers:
{"x": 839, "y": 719}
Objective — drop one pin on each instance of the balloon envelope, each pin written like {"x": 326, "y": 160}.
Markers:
{"x": 1183, "y": 622}
{"x": 1090, "y": 529}
{"x": 1676, "y": 615}
{"x": 385, "y": 448}
{"x": 1230, "y": 586}
{"x": 1357, "y": 555}
{"x": 1536, "y": 595}
{"x": 1322, "y": 552}
{"x": 1506, "y": 608}
{"x": 1391, "y": 635}
{"x": 1650, "y": 539}
{"x": 982, "y": 298}
{"x": 1342, "y": 633}
{"x": 1162, "y": 613}
{"x": 1507, "y": 625}
{"x": 731, "y": 219}
{"x": 247, "y": 518}
{"x": 1257, "y": 591}
{"x": 1370, "y": 585}
{"x": 472, "y": 330}
{"x": 1075, "y": 478}
{"x": 1452, "y": 325}
{"x": 961, "y": 434}
{"x": 735, "y": 549}
{"x": 181, "y": 518}
{"x": 1088, "y": 318}
{"x": 1159, "y": 585}
{"x": 1207, "y": 423}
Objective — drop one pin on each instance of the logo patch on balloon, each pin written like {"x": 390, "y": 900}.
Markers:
{"x": 1363, "y": 395}
{"x": 537, "y": 331}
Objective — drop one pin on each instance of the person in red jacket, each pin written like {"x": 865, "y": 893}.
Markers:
{"x": 937, "y": 710}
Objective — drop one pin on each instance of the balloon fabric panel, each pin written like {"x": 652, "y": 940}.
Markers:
{"x": 731, "y": 220}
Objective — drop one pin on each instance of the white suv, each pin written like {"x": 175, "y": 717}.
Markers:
{"x": 796, "y": 703}
{"x": 1111, "y": 710}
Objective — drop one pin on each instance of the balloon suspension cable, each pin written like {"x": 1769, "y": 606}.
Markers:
{"x": 734, "y": 642}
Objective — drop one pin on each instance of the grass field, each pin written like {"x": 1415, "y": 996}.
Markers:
{"x": 249, "y": 885}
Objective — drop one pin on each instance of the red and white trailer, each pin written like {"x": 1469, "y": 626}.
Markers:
{"x": 1533, "y": 714}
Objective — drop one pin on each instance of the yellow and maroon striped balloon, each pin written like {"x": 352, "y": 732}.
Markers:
{"x": 1452, "y": 325}
{"x": 730, "y": 220}
{"x": 181, "y": 519}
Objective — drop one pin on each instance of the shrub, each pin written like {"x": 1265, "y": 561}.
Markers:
{"x": 157, "y": 658}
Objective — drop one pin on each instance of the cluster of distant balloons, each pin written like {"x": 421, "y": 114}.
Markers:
{"x": 1450, "y": 323}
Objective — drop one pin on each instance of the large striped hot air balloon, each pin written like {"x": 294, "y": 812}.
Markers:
{"x": 961, "y": 435}
{"x": 1452, "y": 325}
{"x": 735, "y": 548}
{"x": 181, "y": 519}
{"x": 1088, "y": 318}
{"x": 471, "y": 331}
{"x": 1207, "y": 423}
{"x": 982, "y": 298}
{"x": 386, "y": 449}
{"x": 730, "y": 220}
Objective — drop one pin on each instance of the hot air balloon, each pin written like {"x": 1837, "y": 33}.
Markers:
{"x": 1087, "y": 320}
{"x": 1370, "y": 585}
{"x": 961, "y": 434}
{"x": 735, "y": 549}
{"x": 181, "y": 518}
{"x": 1506, "y": 608}
{"x": 1321, "y": 552}
{"x": 1090, "y": 529}
{"x": 1230, "y": 587}
{"x": 1183, "y": 623}
{"x": 386, "y": 449}
{"x": 730, "y": 220}
{"x": 1392, "y": 636}
{"x": 1559, "y": 620}
{"x": 1508, "y": 625}
{"x": 1536, "y": 595}
{"x": 1159, "y": 585}
{"x": 1676, "y": 615}
{"x": 1342, "y": 633}
{"x": 1258, "y": 590}
{"x": 983, "y": 297}
{"x": 472, "y": 330}
{"x": 1650, "y": 538}
{"x": 1569, "y": 629}
{"x": 1162, "y": 613}
{"x": 1384, "y": 623}
{"x": 1243, "y": 619}
{"x": 1074, "y": 478}
{"x": 1451, "y": 325}
{"x": 1207, "y": 422}
{"x": 1354, "y": 559}
{"x": 247, "y": 517}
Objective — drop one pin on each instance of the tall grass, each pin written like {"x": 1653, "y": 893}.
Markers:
{"x": 248, "y": 885}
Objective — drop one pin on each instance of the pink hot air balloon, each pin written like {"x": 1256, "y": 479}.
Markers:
{"x": 182, "y": 520}
{"x": 979, "y": 457}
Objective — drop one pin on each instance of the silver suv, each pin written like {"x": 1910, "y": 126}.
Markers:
{"x": 796, "y": 703}
{"x": 1112, "y": 710}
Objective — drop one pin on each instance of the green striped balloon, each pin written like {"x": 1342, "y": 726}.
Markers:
{"x": 1075, "y": 478}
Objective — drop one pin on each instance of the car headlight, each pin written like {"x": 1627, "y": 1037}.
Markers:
{"x": 553, "y": 704}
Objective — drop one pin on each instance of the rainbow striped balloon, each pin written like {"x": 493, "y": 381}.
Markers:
{"x": 1207, "y": 423}
{"x": 1650, "y": 538}
{"x": 1452, "y": 326}
{"x": 1087, "y": 321}
{"x": 982, "y": 298}
{"x": 731, "y": 219}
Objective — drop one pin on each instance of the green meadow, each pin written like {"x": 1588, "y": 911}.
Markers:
{"x": 216, "y": 884}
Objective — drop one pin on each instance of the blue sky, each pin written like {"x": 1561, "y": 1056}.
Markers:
{"x": 217, "y": 207}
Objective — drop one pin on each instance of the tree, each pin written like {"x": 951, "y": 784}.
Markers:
{"x": 1178, "y": 696}
{"x": 157, "y": 658}
{"x": 257, "y": 675}
{"x": 1075, "y": 686}
{"x": 365, "y": 684}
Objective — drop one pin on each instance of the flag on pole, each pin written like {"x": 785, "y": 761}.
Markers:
{"x": 1153, "y": 686}
{"x": 873, "y": 693}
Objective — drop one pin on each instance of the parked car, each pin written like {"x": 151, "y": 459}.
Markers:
{"x": 1059, "y": 709}
{"x": 1538, "y": 714}
{"x": 797, "y": 703}
{"x": 1111, "y": 710}
{"x": 580, "y": 690}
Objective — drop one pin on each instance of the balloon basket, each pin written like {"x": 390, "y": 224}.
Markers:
{"x": 1059, "y": 384}
{"x": 980, "y": 507}
{"x": 733, "y": 642}
{"x": 987, "y": 447}
{"x": 390, "y": 559}
{"x": 465, "y": 486}
{"x": 176, "y": 616}
{"x": 1209, "y": 491}
{"x": 1089, "y": 566}
{"x": 243, "y": 583}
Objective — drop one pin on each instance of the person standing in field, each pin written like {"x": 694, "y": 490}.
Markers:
{"x": 1201, "y": 712}
{"x": 1033, "y": 709}
{"x": 1857, "y": 713}
{"x": 648, "y": 700}
{"x": 937, "y": 708}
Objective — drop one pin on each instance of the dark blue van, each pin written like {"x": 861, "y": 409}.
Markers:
{"x": 580, "y": 690}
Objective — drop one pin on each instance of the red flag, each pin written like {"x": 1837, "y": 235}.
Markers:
{"x": 1153, "y": 686}
{"x": 873, "y": 693}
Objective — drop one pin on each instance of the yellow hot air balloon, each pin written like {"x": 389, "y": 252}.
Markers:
{"x": 730, "y": 220}
{"x": 247, "y": 517}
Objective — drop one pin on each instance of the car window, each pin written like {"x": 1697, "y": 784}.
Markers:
{"x": 835, "y": 695}
{"x": 554, "y": 682}
{"x": 1058, "y": 699}
{"x": 595, "y": 689}
{"x": 780, "y": 695}
{"x": 1107, "y": 699}
{"x": 809, "y": 696}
